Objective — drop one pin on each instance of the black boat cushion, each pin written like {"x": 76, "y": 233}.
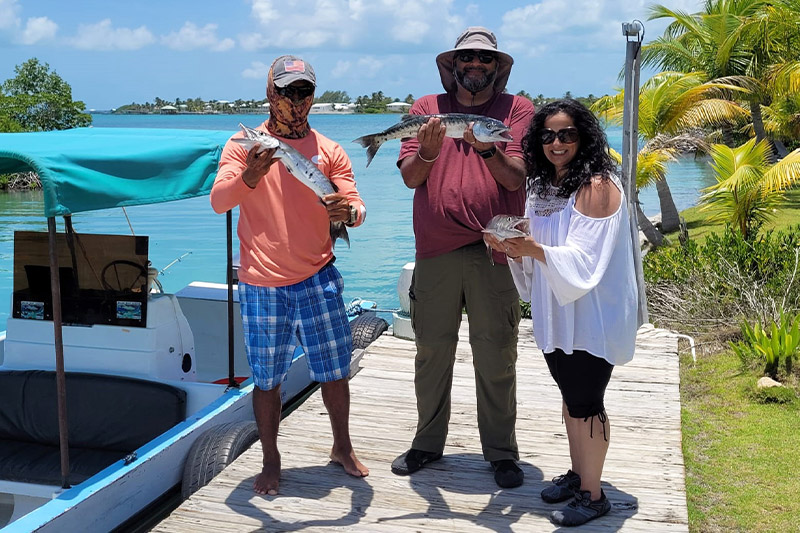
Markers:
{"x": 26, "y": 462}
{"x": 108, "y": 417}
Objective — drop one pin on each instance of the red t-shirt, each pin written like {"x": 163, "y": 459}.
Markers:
{"x": 460, "y": 195}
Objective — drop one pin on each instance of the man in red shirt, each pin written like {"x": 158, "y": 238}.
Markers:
{"x": 460, "y": 184}
{"x": 289, "y": 291}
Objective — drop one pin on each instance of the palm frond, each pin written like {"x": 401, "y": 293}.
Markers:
{"x": 782, "y": 175}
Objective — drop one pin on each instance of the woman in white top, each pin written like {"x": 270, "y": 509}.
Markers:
{"x": 576, "y": 268}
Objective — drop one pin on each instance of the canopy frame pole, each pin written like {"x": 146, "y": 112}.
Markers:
{"x": 229, "y": 280}
{"x": 634, "y": 35}
{"x": 61, "y": 381}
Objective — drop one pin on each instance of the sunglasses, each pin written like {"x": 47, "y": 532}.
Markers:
{"x": 303, "y": 91}
{"x": 567, "y": 135}
{"x": 483, "y": 57}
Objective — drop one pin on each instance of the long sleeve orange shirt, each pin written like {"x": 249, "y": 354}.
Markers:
{"x": 283, "y": 226}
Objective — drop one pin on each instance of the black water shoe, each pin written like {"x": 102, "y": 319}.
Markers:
{"x": 563, "y": 488}
{"x": 581, "y": 509}
{"x": 413, "y": 460}
{"x": 507, "y": 474}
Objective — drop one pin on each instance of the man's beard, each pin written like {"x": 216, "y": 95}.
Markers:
{"x": 472, "y": 84}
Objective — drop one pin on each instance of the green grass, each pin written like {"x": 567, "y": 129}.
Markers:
{"x": 699, "y": 227}
{"x": 742, "y": 458}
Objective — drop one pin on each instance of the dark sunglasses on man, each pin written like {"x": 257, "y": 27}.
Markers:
{"x": 567, "y": 135}
{"x": 303, "y": 91}
{"x": 468, "y": 55}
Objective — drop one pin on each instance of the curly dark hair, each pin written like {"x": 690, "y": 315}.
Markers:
{"x": 592, "y": 157}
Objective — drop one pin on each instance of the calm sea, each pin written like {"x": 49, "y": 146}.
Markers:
{"x": 190, "y": 230}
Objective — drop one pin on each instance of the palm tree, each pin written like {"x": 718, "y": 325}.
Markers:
{"x": 735, "y": 41}
{"x": 748, "y": 187}
{"x": 670, "y": 105}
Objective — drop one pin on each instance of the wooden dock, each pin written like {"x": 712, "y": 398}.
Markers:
{"x": 643, "y": 477}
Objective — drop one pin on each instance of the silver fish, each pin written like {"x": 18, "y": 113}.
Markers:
{"x": 504, "y": 227}
{"x": 508, "y": 227}
{"x": 486, "y": 129}
{"x": 298, "y": 166}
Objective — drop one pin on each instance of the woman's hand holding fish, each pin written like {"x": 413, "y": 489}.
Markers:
{"x": 516, "y": 247}
{"x": 338, "y": 207}
{"x": 431, "y": 136}
{"x": 258, "y": 164}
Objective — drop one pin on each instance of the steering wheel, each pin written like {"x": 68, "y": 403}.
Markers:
{"x": 110, "y": 276}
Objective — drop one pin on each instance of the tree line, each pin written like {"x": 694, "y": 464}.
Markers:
{"x": 729, "y": 88}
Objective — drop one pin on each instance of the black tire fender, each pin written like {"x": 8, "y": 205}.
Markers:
{"x": 215, "y": 449}
{"x": 366, "y": 329}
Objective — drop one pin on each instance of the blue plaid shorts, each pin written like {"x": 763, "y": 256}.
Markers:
{"x": 310, "y": 314}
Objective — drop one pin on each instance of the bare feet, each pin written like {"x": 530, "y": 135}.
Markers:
{"x": 267, "y": 481}
{"x": 350, "y": 463}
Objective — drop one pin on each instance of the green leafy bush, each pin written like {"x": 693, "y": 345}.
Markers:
{"x": 702, "y": 287}
{"x": 525, "y": 307}
{"x": 775, "y": 345}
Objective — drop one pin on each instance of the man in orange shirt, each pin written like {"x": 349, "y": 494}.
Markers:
{"x": 289, "y": 291}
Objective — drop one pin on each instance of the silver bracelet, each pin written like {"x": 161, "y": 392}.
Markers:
{"x": 428, "y": 160}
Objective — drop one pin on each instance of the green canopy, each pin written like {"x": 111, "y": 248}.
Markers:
{"x": 85, "y": 169}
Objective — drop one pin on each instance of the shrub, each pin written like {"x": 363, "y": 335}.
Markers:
{"x": 700, "y": 287}
{"x": 774, "y": 345}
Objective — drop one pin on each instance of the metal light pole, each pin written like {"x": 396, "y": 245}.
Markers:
{"x": 634, "y": 34}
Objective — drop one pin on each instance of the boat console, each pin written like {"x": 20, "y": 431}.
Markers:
{"x": 112, "y": 324}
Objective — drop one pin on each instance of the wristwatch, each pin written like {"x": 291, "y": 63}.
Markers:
{"x": 353, "y": 216}
{"x": 486, "y": 154}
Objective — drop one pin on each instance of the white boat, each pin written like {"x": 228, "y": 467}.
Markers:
{"x": 122, "y": 395}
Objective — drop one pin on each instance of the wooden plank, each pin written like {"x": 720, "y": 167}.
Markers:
{"x": 643, "y": 476}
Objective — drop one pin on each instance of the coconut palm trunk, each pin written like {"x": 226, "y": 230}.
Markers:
{"x": 651, "y": 233}
{"x": 670, "y": 219}
{"x": 778, "y": 148}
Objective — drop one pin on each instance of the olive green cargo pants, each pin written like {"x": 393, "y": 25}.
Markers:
{"x": 440, "y": 288}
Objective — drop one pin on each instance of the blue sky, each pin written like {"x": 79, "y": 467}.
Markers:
{"x": 114, "y": 53}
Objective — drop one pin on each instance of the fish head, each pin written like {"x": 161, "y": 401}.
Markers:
{"x": 508, "y": 227}
{"x": 491, "y": 130}
{"x": 252, "y": 137}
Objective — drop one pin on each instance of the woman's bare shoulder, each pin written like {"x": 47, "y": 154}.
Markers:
{"x": 599, "y": 198}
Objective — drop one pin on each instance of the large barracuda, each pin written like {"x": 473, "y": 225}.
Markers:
{"x": 486, "y": 129}
{"x": 298, "y": 166}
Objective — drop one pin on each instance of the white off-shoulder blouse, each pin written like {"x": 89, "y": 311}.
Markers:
{"x": 585, "y": 296}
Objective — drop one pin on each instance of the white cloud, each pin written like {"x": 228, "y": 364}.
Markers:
{"x": 341, "y": 69}
{"x": 9, "y": 14}
{"x": 38, "y": 29}
{"x": 350, "y": 24}
{"x": 365, "y": 67}
{"x": 264, "y": 12}
{"x": 103, "y": 36}
{"x": 579, "y": 25}
{"x": 191, "y": 37}
{"x": 258, "y": 70}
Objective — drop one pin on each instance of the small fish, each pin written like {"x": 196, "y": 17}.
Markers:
{"x": 508, "y": 227}
{"x": 504, "y": 227}
{"x": 486, "y": 129}
{"x": 298, "y": 166}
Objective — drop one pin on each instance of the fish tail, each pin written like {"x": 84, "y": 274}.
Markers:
{"x": 339, "y": 231}
{"x": 371, "y": 143}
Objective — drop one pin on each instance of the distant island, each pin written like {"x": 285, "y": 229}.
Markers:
{"x": 333, "y": 102}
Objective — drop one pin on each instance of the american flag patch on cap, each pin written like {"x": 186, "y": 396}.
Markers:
{"x": 294, "y": 65}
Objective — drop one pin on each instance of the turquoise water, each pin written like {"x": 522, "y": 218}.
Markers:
{"x": 379, "y": 248}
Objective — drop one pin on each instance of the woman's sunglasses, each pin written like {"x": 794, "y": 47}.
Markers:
{"x": 483, "y": 57}
{"x": 303, "y": 91}
{"x": 567, "y": 135}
